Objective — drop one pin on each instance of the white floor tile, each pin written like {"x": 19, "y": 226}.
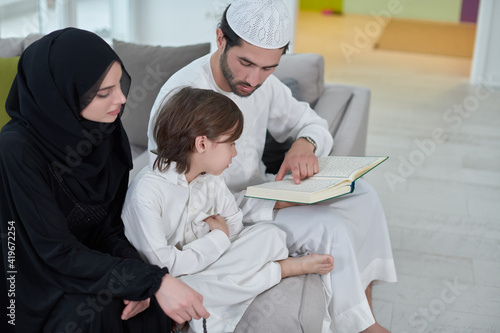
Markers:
{"x": 450, "y": 293}
{"x": 412, "y": 263}
{"x": 487, "y": 273}
{"x": 383, "y": 312}
{"x": 439, "y": 319}
{"x": 449, "y": 223}
{"x": 446, "y": 244}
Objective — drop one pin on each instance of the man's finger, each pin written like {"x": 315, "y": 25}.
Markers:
{"x": 304, "y": 171}
{"x": 281, "y": 173}
{"x": 310, "y": 170}
{"x": 296, "y": 174}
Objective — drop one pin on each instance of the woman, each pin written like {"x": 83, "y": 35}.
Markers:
{"x": 64, "y": 163}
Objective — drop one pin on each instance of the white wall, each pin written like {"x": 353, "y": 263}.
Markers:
{"x": 176, "y": 23}
{"x": 486, "y": 60}
{"x": 173, "y": 22}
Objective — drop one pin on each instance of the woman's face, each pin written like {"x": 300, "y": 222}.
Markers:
{"x": 107, "y": 103}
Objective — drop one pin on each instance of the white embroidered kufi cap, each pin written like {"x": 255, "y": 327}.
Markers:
{"x": 263, "y": 23}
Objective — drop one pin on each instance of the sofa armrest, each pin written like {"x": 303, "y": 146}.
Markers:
{"x": 349, "y": 125}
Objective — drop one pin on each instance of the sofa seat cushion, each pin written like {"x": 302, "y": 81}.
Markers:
{"x": 8, "y": 68}
{"x": 149, "y": 68}
{"x": 295, "y": 305}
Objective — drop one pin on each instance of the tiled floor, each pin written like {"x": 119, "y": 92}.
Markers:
{"x": 441, "y": 185}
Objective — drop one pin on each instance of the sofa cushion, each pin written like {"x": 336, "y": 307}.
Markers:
{"x": 294, "y": 87}
{"x": 150, "y": 67}
{"x": 8, "y": 68}
{"x": 12, "y": 47}
{"x": 30, "y": 39}
{"x": 308, "y": 70}
{"x": 295, "y": 305}
{"x": 141, "y": 159}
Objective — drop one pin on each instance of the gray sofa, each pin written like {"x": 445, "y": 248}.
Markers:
{"x": 296, "y": 304}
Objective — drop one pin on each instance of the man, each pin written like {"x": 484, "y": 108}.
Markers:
{"x": 251, "y": 38}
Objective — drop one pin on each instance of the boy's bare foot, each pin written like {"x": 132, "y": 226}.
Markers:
{"x": 376, "y": 328}
{"x": 312, "y": 263}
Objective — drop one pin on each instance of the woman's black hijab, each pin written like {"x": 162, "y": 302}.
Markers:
{"x": 58, "y": 76}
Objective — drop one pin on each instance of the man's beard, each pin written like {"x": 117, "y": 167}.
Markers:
{"x": 228, "y": 75}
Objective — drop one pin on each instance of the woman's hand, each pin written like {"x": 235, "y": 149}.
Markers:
{"x": 217, "y": 222}
{"x": 179, "y": 301}
{"x": 134, "y": 307}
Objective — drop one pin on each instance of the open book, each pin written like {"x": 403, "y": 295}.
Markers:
{"x": 336, "y": 177}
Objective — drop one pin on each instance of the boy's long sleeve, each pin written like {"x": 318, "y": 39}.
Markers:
{"x": 150, "y": 233}
{"x": 164, "y": 219}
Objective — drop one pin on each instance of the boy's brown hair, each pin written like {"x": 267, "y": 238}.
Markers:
{"x": 187, "y": 114}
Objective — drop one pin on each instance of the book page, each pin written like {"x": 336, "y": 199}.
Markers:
{"x": 342, "y": 166}
{"x": 306, "y": 185}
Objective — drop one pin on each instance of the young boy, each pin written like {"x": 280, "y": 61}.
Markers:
{"x": 179, "y": 213}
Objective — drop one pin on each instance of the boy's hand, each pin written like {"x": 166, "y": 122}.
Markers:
{"x": 217, "y": 222}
